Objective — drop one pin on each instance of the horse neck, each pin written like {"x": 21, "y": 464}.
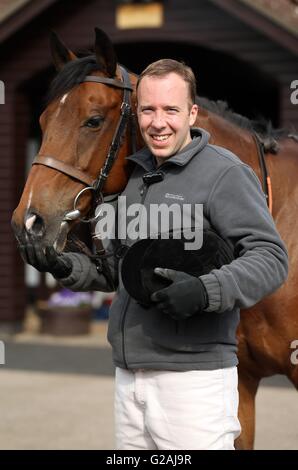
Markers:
{"x": 226, "y": 134}
{"x": 282, "y": 167}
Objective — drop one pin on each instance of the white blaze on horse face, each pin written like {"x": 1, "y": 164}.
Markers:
{"x": 29, "y": 200}
{"x": 61, "y": 103}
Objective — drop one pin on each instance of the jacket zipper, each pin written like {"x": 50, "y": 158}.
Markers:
{"x": 144, "y": 191}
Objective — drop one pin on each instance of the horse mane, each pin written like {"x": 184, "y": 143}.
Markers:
{"x": 71, "y": 75}
{"x": 76, "y": 70}
{"x": 261, "y": 126}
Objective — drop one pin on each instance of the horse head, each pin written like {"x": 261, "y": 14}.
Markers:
{"x": 79, "y": 125}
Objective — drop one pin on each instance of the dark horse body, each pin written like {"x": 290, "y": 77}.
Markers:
{"x": 70, "y": 133}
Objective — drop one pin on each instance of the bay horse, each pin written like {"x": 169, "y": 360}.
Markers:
{"x": 80, "y": 124}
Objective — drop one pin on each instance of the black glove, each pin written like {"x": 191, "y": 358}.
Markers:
{"x": 46, "y": 260}
{"x": 183, "y": 298}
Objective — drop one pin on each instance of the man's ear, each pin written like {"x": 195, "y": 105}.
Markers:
{"x": 193, "y": 114}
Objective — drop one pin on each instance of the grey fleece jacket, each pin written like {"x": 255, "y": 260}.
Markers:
{"x": 235, "y": 206}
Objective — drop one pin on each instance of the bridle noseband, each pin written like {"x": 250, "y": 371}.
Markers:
{"x": 96, "y": 185}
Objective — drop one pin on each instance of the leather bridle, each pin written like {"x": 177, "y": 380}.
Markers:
{"x": 96, "y": 185}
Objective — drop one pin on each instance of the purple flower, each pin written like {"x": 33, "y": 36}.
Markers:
{"x": 68, "y": 298}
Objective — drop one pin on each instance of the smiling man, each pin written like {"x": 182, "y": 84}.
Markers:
{"x": 180, "y": 390}
{"x": 166, "y": 111}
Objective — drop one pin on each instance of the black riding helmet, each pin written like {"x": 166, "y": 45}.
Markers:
{"x": 145, "y": 255}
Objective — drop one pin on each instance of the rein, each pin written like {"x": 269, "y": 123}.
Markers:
{"x": 125, "y": 114}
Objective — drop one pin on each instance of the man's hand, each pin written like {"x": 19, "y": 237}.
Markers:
{"x": 46, "y": 260}
{"x": 183, "y": 298}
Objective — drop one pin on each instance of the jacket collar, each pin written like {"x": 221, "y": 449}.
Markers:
{"x": 200, "y": 139}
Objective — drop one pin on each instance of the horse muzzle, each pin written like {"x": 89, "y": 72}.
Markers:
{"x": 34, "y": 228}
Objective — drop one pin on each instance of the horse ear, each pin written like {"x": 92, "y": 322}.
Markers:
{"x": 60, "y": 54}
{"x": 105, "y": 53}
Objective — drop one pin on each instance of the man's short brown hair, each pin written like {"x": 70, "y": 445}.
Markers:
{"x": 163, "y": 67}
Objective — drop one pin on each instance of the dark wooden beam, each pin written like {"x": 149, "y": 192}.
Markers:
{"x": 259, "y": 22}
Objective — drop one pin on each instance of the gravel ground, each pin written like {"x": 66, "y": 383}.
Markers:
{"x": 57, "y": 393}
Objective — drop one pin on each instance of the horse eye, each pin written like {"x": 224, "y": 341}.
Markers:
{"x": 93, "y": 122}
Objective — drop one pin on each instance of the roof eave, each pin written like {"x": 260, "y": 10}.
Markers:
{"x": 22, "y": 16}
{"x": 260, "y": 22}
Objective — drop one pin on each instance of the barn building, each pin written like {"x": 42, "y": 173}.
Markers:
{"x": 242, "y": 51}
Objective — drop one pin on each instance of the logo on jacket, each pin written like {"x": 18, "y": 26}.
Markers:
{"x": 180, "y": 197}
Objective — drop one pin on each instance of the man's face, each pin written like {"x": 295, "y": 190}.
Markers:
{"x": 165, "y": 114}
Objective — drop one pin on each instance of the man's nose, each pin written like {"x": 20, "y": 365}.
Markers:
{"x": 158, "y": 121}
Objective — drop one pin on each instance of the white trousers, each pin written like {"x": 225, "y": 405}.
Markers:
{"x": 170, "y": 410}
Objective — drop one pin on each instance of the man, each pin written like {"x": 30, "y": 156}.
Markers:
{"x": 176, "y": 374}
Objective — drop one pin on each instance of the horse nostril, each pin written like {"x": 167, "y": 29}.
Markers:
{"x": 34, "y": 224}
